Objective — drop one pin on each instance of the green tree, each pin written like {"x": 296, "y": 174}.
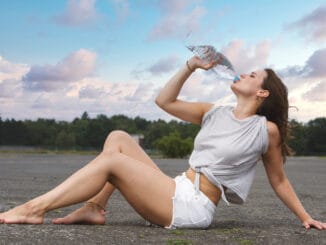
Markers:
{"x": 174, "y": 146}
{"x": 1, "y": 134}
{"x": 297, "y": 140}
{"x": 141, "y": 124}
{"x": 125, "y": 123}
{"x": 14, "y": 132}
{"x": 316, "y": 136}
{"x": 79, "y": 128}
{"x": 97, "y": 131}
{"x": 154, "y": 132}
{"x": 42, "y": 132}
{"x": 65, "y": 140}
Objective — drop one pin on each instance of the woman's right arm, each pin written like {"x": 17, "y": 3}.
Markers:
{"x": 167, "y": 98}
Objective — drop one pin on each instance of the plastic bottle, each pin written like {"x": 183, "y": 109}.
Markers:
{"x": 208, "y": 53}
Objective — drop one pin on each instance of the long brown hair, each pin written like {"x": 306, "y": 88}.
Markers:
{"x": 276, "y": 107}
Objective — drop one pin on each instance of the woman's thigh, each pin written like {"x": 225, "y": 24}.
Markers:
{"x": 148, "y": 190}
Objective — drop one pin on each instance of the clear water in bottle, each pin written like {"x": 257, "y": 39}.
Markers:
{"x": 208, "y": 53}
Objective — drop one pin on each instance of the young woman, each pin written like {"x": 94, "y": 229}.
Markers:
{"x": 222, "y": 164}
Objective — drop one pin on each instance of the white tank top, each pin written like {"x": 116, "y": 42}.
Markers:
{"x": 227, "y": 149}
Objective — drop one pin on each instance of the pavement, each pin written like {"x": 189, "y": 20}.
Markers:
{"x": 263, "y": 219}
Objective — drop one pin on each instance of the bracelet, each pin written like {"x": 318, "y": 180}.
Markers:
{"x": 96, "y": 204}
{"x": 192, "y": 70}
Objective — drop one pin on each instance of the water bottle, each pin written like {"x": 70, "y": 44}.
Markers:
{"x": 208, "y": 53}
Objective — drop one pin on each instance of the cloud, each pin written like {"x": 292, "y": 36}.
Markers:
{"x": 312, "y": 26}
{"x": 74, "y": 67}
{"x": 316, "y": 64}
{"x": 317, "y": 93}
{"x": 9, "y": 70}
{"x": 247, "y": 58}
{"x": 91, "y": 92}
{"x": 314, "y": 67}
{"x": 164, "y": 65}
{"x": 10, "y": 88}
{"x": 179, "y": 17}
{"x": 77, "y": 13}
{"x": 143, "y": 93}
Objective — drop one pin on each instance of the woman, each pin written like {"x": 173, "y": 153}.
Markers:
{"x": 227, "y": 148}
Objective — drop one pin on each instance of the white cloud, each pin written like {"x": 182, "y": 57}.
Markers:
{"x": 303, "y": 97}
{"x": 75, "y": 66}
{"x": 9, "y": 70}
{"x": 143, "y": 93}
{"x": 97, "y": 95}
{"x": 312, "y": 26}
{"x": 78, "y": 13}
{"x": 91, "y": 92}
{"x": 10, "y": 88}
{"x": 204, "y": 86}
{"x": 317, "y": 93}
{"x": 247, "y": 58}
{"x": 179, "y": 17}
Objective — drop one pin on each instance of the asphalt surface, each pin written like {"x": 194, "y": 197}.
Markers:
{"x": 263, "y": 219}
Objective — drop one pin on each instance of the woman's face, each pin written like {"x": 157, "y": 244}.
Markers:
{"x": 249, "y": 84}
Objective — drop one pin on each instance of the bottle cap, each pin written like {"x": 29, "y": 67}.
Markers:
{"x": 236, "y": 78}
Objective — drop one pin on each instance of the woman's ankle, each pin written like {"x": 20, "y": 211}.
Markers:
{"x": 95, "y": 204}
{"x": 34, "y": 208}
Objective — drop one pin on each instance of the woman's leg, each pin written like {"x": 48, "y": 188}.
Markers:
{"x": 148, "y": 190}
{"x": 93, "y": 211}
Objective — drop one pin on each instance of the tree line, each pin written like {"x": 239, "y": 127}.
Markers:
{"x": 172, "y": 139}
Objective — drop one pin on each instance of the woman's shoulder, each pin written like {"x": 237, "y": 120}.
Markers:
{"x": 273, "y": 131}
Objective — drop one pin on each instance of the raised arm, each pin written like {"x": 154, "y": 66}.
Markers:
{"x": 167, "y": 98}
{"x": 273, "y": 164}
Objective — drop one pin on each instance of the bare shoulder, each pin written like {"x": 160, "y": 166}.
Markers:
{"x": 273, "y": 133}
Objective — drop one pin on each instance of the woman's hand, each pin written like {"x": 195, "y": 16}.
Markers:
{"x": 196, "y": 62}
{"x": 314, "y": 223}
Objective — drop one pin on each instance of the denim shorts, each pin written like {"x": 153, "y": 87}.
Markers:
{"x": 191, "y": 209}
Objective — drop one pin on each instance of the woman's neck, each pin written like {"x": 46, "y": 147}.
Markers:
{"x": 245, "y": 108}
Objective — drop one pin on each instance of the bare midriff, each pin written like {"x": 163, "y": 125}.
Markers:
{"x": 207, "y": 187}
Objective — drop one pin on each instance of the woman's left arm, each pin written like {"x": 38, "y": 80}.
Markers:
{"x": 273, "y": 163}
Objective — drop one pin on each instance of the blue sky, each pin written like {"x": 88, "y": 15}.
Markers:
{"x": 60, "y": 58}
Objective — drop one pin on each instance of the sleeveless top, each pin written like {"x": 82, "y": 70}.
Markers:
{"x": 227, "y": 149}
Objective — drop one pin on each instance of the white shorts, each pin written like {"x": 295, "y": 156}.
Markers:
{"x": 190, "y": 209}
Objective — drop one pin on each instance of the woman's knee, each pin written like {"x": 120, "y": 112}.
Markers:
{"x": 117, "y": 135}
{"x": 114, "y": 139}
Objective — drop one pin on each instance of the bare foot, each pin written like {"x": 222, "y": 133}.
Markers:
{"x": 89, "y": 214}
{"x": 22, "y": 214}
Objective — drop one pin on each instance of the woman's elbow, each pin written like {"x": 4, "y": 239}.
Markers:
{"x": 158, "y": 102}
{"x": 277, "y": 181}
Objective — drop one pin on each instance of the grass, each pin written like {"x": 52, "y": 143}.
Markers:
{"x": 177, "y": 232}
{"x": 229, "y": 231}
{"x": 245, "y": 241}
{"x": 178, "y": 242}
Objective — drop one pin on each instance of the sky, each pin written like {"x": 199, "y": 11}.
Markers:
{"x": 61, "y": 58}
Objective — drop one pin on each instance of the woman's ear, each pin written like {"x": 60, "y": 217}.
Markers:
{"x": 263, "y": 93}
